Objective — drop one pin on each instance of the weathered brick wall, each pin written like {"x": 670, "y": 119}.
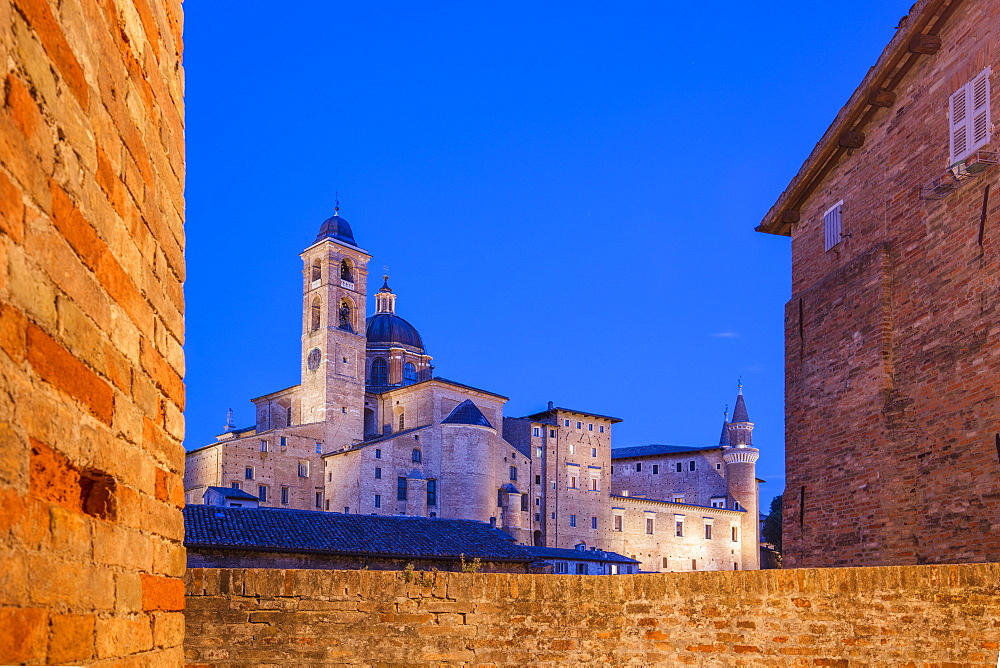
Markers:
{"x": 894, "y": 616}
{"x": 91, "y": 327}
{"x": 892, "y": 420}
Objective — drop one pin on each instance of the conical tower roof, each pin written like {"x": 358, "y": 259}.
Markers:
{"x": 740, "y": 412}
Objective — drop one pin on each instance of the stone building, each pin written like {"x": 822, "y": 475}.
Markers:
{"x": 370, "y": 430}
{"x": 893, "y": 419}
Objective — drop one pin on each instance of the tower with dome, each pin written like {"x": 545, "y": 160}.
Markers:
{"x": 371, "y": 430}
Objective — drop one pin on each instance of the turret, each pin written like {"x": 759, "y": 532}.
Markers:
{"x": 741, "y": 480}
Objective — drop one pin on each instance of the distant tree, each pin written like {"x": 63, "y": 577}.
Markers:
{"x": 772, "y": 524}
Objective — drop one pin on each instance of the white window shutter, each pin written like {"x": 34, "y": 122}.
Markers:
{"x": 832, "y": 226}
{"x": 958, "y": 123}
{"x": 980, "y": 104}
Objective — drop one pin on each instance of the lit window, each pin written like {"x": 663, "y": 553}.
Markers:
{"x": 284, "y": 496}
{"x": 262, "y": 493}
{"x": 378, "y": 473}
{"x": 708, "y": 532}
{"x": 409, "y": 374}
{"x": 572, "y": 520}
{"x": 678, "y": 498}
{"x": 535, "y": 431}
{"x": 248, "y": 473}
{"x": 649, "y": 525}
{"x": 401, "y": 489}
{"x": 303, "y": 469}
{"x": 415, "y": 455}
{"x": 378, "y": 500}
{"x": 432, "y": 495}
{"x": 679, "y": 528}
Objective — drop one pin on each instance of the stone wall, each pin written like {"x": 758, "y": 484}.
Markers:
{"x": 91, "y": 328}
{"x": 891, "y": 616}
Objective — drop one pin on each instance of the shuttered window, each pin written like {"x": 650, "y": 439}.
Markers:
{"x": 969, "y": 117}
{"x": 832, "y": 226}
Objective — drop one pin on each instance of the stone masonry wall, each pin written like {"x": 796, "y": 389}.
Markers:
{"x": 91, "y": 328}
{"x": 892, "y": 616}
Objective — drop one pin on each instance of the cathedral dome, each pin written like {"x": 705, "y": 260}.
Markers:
{"x": 336, "y": 228}
{"x": 390, "y": 328}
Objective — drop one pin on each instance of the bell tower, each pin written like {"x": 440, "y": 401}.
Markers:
{"x": 334, "y": 278}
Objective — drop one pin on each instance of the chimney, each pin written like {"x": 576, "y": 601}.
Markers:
{"x": 493, "y": 523}
{"x": 551, "y": 405}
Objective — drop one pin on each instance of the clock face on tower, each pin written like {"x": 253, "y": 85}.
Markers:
{"x": 313, "y": 360}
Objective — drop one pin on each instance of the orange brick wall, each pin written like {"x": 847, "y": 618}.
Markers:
{"x": 91, "y": 329}
{"x": 895, "y": 616}
{"x": 892, "y": 355}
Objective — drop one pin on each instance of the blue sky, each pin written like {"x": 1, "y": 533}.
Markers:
{"x": 564, "y": 193}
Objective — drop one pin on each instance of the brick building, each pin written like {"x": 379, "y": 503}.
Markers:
{"x": 893, "y": 418}
{"x": 370, "y": 430}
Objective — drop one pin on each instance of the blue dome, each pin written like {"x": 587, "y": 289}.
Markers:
{"x": 336, "y": 228}
{"x": 390, "y": 328}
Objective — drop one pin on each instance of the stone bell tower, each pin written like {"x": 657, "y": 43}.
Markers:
{"x": 334, "y": 278}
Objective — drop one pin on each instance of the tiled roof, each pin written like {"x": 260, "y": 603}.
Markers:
{"x": 233, "y": 493}
{"x": 376, "y": 439}
{"x": 648, "y": 450}
{"x": 552, "y": 411}
{"x": 467, "y": 413}
{"x": 579, "y": 555}
{"x": 308, "y": 531}
{"x": 740, "y": 412}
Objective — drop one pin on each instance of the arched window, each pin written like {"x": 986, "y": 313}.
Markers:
{"x": 402, "y": 422}
{"x": 345, "y": 315}
{"x": 317, "y": 270}
{"x": 314, "y": 317}
{"x": 346, "y": 273}
{"x": 380, "y": 372}
{"x": 416, "y": 455}
{"x": 409, "y": 373}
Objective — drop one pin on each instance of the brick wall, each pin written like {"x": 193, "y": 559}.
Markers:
{"x": 91, "y": 328}
{"x": 892, "y": 420}
{"x": 898, "y": 616}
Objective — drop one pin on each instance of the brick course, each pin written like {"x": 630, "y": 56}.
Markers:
{"x": 893, "y": 616}
{"x": 91, "y": 331}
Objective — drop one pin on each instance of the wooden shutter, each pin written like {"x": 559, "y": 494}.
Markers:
{"x": 969, "y": 117}
{"x": 832, "y": 226}
{"x": 979, "y": 99}
{"x": 959, "y": 123}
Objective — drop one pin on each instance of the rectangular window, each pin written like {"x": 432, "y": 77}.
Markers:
{"x": 565, "y": 423}
{"x": 401, "y": 489}
{"x": 562, "y": 567}
{"x": 378, "y": 500}
{"x": 649, "y": 525}
{"x": 536, "y": 431}
{"x": 969, "y": 117}
{"x": 680, "y": 467}
{"x": 284, "y": 441}
{"x": 694, "y": 564}
{"x": 618, "y": 522}
{"x": 572, "y": 449}
{"x": 678, "y": 498}
{"x": 665, "y": 565}
{"x": 602, "y": 428}
{"x": 572, "y": 481}
{"x": 691, "y": 465}
{"x": 263, "y": 446}
{"x": 579, "y": 425}
{"x": 284, "y": 496}
{"x": 248, "y": 474}
{"x": 590, "y": 427}
{"x": 262, "y": 493}
{"x": 319, "y": 448}
{"x": 718, "y": 503}
{"x": 832, "y": 226}
{"x": 581, "y": 569}
{"x": 327, "y": 504}
{"x": 538, "y": 480}
{"x": 303, "y": 469}
{"x": 656, "y": 469}
{"x": 347, "y": 510}
{"x": 524, "y": 503}
{"x": 593, "y": 452}
{"x": 638, "y": 467}
{"x": 552, "y": 433}
{"x": 538, "y": 517}
{"x": 513, "y": 473}
{"x": 708, "y": 532}
{"x": 538, "y": 501}
{"x": 432, "y": 492}
{"x": 319, "y": 500}
{"x": 718, "y": 467}
{"x": 736, "y": 535}
{"x": 593, "y": 485}
{"x": 538, "y": 452}
{"x": 679, "y": 528}
{"x": 378, "y": 473}
{"x": 572, "y": 520}
{"x": 593, "y": 522}
{"x": 499, "y": 498}
{"x": 329, "y": 476}
{"x": 378, "y": 454}
{"x": 612, "y": 469}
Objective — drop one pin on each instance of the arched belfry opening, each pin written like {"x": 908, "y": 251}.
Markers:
{"x": 316, "y": 272}
{"x": 346, "y": 271}
{"x": 346, "y": 315}
{"x": 315, "y": 312}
